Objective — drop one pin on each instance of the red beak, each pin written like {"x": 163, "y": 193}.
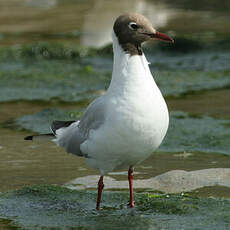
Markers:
{"x": 162, "y": 37}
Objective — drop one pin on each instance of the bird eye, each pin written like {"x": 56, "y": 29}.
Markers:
{"x": 133, "y": 26}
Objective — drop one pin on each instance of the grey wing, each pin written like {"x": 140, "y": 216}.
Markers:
{"x": 93, "y": 117}
{"x": 73, "y": 136}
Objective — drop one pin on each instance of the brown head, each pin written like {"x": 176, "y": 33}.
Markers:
{"x": 133, "y": 29}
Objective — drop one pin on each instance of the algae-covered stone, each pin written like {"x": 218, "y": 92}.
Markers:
{"x": 47, "y": 207}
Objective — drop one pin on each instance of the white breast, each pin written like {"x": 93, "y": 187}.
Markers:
{"x": 136, "y": 116}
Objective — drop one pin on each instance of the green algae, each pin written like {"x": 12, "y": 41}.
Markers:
{"x": 45, "y": 80}
{"x": 186, "y": 133}
{"x": 42, "y": 50}
{"x": 49, "y": 80}
{"x": 167, "y": 204}
{"x": 54, "y": 207}
{"x": 66, "y": 72}
{"x": 196, "y": 134}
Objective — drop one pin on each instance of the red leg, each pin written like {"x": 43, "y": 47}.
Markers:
{"x": 99, "y": 193}
{"x": 130, "y": 178}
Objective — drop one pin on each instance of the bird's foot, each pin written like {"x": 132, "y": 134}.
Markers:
{"x": 131, "y": 205}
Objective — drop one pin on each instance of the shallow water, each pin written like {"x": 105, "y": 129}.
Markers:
{"x": 24, "y": 163}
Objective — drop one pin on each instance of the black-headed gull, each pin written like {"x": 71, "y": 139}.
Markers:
{"x": 125, "y": 125}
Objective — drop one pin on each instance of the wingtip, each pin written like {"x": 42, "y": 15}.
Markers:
{"x": 29, "y": 138}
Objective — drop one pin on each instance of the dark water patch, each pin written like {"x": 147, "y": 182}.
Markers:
{"x": 186, "y": 133}
{"x": 181, "y": 45}
{"x": 223, "y": 43}
{"x": 192, "y": 43}
{"x": 46, "y": 207}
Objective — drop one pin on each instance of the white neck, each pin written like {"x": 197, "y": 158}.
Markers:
{"x": 128, "y": 71}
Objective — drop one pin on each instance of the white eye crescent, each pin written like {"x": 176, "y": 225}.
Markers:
{"x": 133, "y": 26}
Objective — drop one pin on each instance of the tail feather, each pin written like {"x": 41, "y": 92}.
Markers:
{"x": 60, "y": 124}
{"x": 56, "y": 125}
{"x": 47, "y": 136}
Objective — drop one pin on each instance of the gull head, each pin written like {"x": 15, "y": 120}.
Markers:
{"x": 134, "y": 29}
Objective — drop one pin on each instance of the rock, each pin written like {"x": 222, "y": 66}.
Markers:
{"x": 174, "y": 181}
